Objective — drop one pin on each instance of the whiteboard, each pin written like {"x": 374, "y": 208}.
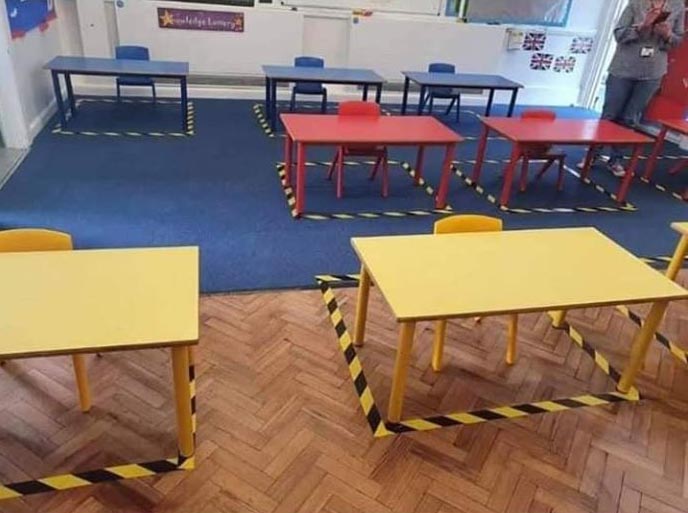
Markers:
{"x": 532, "y": 12}
{"x": 406, "y": 6}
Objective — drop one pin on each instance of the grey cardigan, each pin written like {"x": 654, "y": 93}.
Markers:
{"x": 627, "y": 61}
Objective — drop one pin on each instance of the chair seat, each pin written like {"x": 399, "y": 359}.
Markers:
{"x": 135, "y": 81}
{"x": 308, "y": 88}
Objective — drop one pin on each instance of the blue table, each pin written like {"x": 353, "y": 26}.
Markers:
{"x": 69, "y": 66}
{"x": 459, "y": 81}
{"x": 276, "y": 74}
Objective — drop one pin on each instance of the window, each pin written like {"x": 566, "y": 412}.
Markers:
{"x": 238, "y": 3}
{"x": 553, "y": 13}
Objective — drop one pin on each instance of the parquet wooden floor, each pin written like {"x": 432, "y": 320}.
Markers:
{"x": 280, "y": 429}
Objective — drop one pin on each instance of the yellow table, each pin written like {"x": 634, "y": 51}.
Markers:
{"x": 426, "y": 277}
{"x": 66, "y": 302}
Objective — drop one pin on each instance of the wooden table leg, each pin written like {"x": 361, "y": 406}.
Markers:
{"x": 182, "y": 394}
{"x": 396, "y": 397}
{"x": 438, "y": 345}
{"x": 81, "y": 375}
{"x": 678, "y": 258}
{"x": 420, "y": 158}
{"x": 509, "y": 175}
{"x": 630, "y": 173}
{"x": 558, "y": 318}
{"x": 640, "y": 345}
{"x": 652, "y": 161}
{"x": 362, "y": 306}
{"x": 404, "y": 101}
{"x": 288, "y": 157}
{"x": 300, "y": 177}
{"x": 589, "y": 157}
{"x": 443, "y": 190}
{"x": 513, "y": 337}
{"x": 480, "y": 157}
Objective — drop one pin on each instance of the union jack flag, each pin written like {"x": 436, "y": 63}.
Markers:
{"x": 541, "y": 61}
{"x": 565, "y": 64}
{"x": 534, "y": 41}
{"x": 582, "y": 45}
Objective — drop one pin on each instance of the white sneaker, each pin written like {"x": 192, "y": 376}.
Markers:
{"x": 618, "y": 170}
{"x": 581, "y": 165}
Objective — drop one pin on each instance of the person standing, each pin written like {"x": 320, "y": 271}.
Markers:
{"x": 645, "y": 33}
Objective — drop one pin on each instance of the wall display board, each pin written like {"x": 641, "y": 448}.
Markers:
{"x": 26, "y": 15}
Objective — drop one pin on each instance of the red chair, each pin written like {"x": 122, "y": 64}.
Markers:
{"x": 541, "y": 152}
{"x": 360, "y": 108}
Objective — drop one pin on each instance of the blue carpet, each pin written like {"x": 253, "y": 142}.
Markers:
{"x": 219, "y": 189}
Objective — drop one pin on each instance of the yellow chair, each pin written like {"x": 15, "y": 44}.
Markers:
{"x": 469, "y": 224}
{"x": 47, "y": 240}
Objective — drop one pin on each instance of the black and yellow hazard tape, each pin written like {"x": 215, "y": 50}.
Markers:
{"x": 115, "y": 473}
{"x": 262, "y": 119}
{"x": 382, "y": 428}
{"x": 660, "y": 261}
{"x": 349, "y": 216}
{"x": 663, "y": 188}
{"x": 190, "y": 120}
{"x": 678, "y": 352}
{"x": 491, "y": 198}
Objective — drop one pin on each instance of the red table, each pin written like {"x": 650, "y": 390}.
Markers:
{"x": 333, "y": 130}
{"x": 676, "y": 125}
{"x": 524, "y": 132}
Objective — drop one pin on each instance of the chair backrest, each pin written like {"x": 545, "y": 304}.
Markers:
{"x": 544, "y": 114}
{"x": 468, "y": 224}
{"x": 309, "y": 62}
{"x": 441, "y": 67}
{"x": 137, "y": 53}
{"x": 359, "y": 108}
{"x": 34, "y": 239}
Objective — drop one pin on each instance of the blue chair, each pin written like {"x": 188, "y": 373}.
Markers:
{"x": 309, "y": 88}
{"x": 137, "y": 53}
{"x": 443, "y": 93}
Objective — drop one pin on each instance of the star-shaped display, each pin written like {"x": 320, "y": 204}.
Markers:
{"x": 167, "y": 19}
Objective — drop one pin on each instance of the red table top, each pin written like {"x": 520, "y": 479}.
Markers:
{"x": 565, "y": 131}
{"x": 388, "y": 130}
{"x": 679, "y": 125}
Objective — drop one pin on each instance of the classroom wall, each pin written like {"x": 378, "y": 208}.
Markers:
{"x": 270, "y": 36}
{"x": 388, "y": 43}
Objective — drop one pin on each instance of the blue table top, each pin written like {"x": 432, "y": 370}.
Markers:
{"x": 461, "y": 80}
{"x": 325, "y": 75}
{"x": 99, "y": 66}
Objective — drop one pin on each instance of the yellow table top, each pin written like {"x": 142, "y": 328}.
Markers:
{"x": 681, "y": 228}
{"x": 464, "y": 275}
{"x": 62, "y": 302}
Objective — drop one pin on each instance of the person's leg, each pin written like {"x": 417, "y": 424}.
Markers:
{"x": 639, "y": 97}
{"x": 643, "y": 91}
{"x": 617, "y": 93}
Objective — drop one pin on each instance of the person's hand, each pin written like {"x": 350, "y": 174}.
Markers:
{"x": 663, "y": 30}
{"x": 651, "y": 16}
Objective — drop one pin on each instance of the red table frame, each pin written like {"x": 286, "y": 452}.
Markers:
{"x": 676, "y": 125}
{"x": 305, "y": 130}
{"x": 525, "y": 132}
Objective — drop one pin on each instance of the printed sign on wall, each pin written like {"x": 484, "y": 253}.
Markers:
{"x": 535, "y": 41}
{"x": 541, "y": 61}
{"x": 565, "y": 64}
{"x": 26, "y": 15}
{"x": 195, "y": 19}
{"x": 582, "y": 45}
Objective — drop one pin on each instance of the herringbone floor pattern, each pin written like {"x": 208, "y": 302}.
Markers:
{"x": 280, "y": 429}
